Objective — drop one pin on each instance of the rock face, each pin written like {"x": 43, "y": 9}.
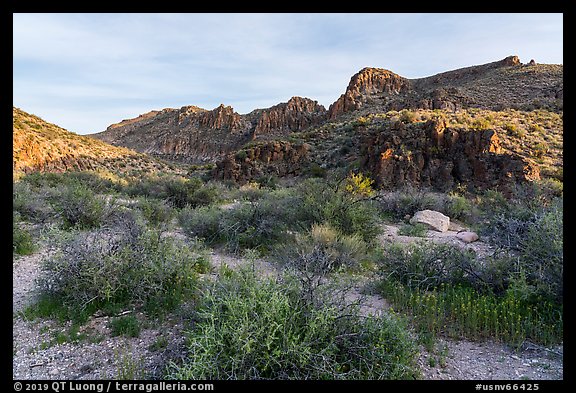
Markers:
{"x": 295, "y": 115}
{"x": 195, "y": 135}
{"x": 272, "y": 158}
{"x": 365, "y": 84}
{"x": 433, "y": 155}
{"x": 497, "y": 85}
{"x": 433, "y": 219}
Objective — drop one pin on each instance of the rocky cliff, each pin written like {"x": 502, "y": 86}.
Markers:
{"x": 365, "y": 86}
{"x": 498, "y": 85}
{"x": 269, "y": 158}
{"x": 433, "y": 155}
{"x": 295, "y": 115}
{"x": 196, "y": 135}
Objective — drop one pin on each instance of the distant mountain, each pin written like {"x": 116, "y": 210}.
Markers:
{"x": 194, "y": 135}
{"x": 42, "y": 146}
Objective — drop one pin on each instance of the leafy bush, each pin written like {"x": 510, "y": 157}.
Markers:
{"x": 542, "y": 254}
{"x": 125, "y": 326}
{"x": 178, "y": 192}
{"x": 156, "y": 212}
{"x": 79, "y": 207}
{"x": 399, "y": 204}
{"x": 348, "y": 213}
{"x": 22, "y": 243}
{"x": 320, "y": 252}
{"x": 427, "y": 265}
{"x": 122, "y": 265}
{"x": 251, "y": 328}
{"x": 417, "y": 230}
{"x": 32, "y": 203}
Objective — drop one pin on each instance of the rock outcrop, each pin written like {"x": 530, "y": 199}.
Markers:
{"x": 295, "y": 115}
{"x": 271, "y": 158}
{"x": 433, "y": 155}
{"x": 195, "y": 135}
{"x": 364, "y": 85}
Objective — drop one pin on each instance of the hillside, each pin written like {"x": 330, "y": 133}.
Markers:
{"x": 195, "y": 135}
{"x": 504, "y": 120}
{"x": 42, "y": 146}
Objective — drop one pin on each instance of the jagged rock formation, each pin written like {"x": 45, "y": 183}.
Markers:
{"x": 436, "y": 156}
{"x": 295, "y": 115}
{"x": 364, "y": 85}
{"x": 270, "y": 158}
{"x": 502, "y": 84}
{"x": 41, "y": 146}
{"x": 196, "y": 135}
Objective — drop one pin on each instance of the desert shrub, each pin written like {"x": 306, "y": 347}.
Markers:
{"x": 268, "y": 181}
{"x": 399, "y": 204}
{"x": 32, "y": 202}
{"x": 22, "y": 243}
{"x": 202, "y": 222}
{"x": 99, "y": 183}
{"x": 318, "y": 253}
{"x": 177, "y": 191}
{"x": 79, "y": 207}
{"x": 241, "y": 155}
{"x": 427, "y": 265}
{"x": 156, "y": 212}
{"x": 541, "y": 258}
{"x": 348, "y": 213}
{"x": 252, "y": 328}
{"x": 256, "y": 225}
{"x": 125, "y": 326}
{"x": 417, "y": 230}
{"x": 315, "y": 170}
{"x": 122, "y": 265}
{"x": 540, "y": 148}
{"x": 459, "y": 207}
{"x": 407, "y": 116}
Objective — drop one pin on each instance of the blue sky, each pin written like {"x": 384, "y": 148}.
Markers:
{"x": 84, "y": 72}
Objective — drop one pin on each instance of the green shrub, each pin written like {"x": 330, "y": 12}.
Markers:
{"x": 399, "y": 204}
{"x": 156, "y": 212}
{"x": 462, "y": 312}
{"x": 417, "y": 230}
{"x": 252, "y": 328}
{"x": 22, "y": 243}
{"x": 32, "y": 202}
{"x": 344, "y": 211}
{"x": 79, "y": 207}
{"x": 122, "y": 265}
{"x": 241, "y": 155}
{"x": 459, "y": 207}
{"x": 542, "y": 254}
{"x": 125, "y": 326}
{"x": 426, "y": 265}
{"x": 407, "y": 116}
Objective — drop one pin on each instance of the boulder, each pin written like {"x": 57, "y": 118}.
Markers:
{"x": 433, "y": 219}
{"x": 467, "y": 237}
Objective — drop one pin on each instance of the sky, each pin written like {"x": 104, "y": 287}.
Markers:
{"x": 87, "y": 71}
